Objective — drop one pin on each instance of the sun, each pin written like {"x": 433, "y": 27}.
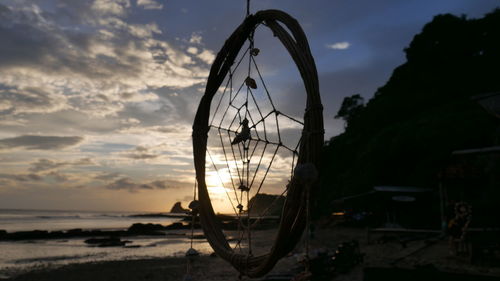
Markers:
{"x": 217, "y": 180}
{"x": 219, "y": 188}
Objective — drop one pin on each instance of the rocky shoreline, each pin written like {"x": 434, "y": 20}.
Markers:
{"x": 136, "y": 229}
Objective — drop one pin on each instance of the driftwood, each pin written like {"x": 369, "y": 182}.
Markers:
{"x": 293, "y": 218}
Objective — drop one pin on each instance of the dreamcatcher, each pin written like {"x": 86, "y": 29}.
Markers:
{"x": 241, "y": 135}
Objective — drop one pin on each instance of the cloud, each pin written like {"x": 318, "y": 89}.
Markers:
{"x": 31, "y": 100}
{"x": 83, "y": 162}
{"x": 144, "y": 30}
{"x": 122, "y": 183}
{"x": 192, "y": 50}
{"x": 89, "y": 59}
{"x": 195, "y": 38}
{"x": 141, "y": 156}
{"x": 43, "y": 164}
{"x": 21, "y": 177}
{"x": 58, "y": 176}
{"x": 206, "y": 56}
{"x": 103, "y": 70}
{"x": 127, "y": 183}
{"x": 105, "y": 176}
{"x": 339, "y": 46}
{"x": 140, "y": 153}
{"x": 111, "y": 7}
{"x": 160, "y": 184}
{"x": 31, "y": 142}
{"x": 149, "y": 4}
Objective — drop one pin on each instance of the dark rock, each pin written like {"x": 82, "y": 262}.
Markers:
{"x": 106, "y": 242}
{"x": 42, "y": 234}
{"x": 28, "y": 235}
{"x": 177, "y": 209}
{"x": 101, "y": 240}
{"x": 116, "y": 233}
{"x": 95, "y": 233}
{"x": 158, "y": 215}
{"x": 146, "y": 229}
{"x": 57, "y": 234}
{"x": 266, "y": 203}
{"x": 176, "y": 225}
{"x": 112, "y": 244}
{"x": 175, "y": 234}
{"x": 74, "y": 231}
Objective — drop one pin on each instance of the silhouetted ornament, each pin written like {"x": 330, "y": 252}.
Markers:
{"x": 255, "y": 52}
{"x": 244, "y": 134}
{"x": 188, "y": 277}
{"x": 240, "y": 207}
{"x": 243, "y": 187}
{"x": 291, "y": 229}
{"x": 194, "y": 205}
{"x": 192, "y": 253}
{"x": 250, "y": 82}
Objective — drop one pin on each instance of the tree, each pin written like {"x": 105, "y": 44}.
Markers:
{"x": 406, "y": 133}
{"x": 350, "y": 108}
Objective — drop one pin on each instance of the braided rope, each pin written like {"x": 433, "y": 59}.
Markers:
{"x": 293, "y": 219}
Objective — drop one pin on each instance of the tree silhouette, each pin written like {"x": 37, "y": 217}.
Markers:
{"x": 350, "y": 108}
{"x": 405, "y": 134}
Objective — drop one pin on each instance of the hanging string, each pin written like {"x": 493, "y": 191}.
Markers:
{"x": 192, "y": 252}
{"x": 193, "y": 214}
{"x": 247, "y": 159}
{"x": 308, "y": 227}
{"x": 248, "y": 8}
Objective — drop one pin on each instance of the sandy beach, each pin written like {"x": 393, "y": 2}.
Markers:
{"x": 379, "y": 250}
{"x": 203, "y": 267}
{"x": 150, "y": 269}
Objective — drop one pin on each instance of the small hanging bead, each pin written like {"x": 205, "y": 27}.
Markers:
{"x": 250, "y": 82}
{"x": 194, "y": 205}
{"x": 192, "y": 253}
{"x": 243, "y": 187}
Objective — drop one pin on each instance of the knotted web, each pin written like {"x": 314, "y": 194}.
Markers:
{"x": 261, "y": 162}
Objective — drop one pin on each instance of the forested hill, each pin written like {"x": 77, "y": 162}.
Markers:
{"x": 406, "y": 132}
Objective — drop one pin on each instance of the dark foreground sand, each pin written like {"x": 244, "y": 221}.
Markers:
{"x": 387, "y": 254}
{"x": 152, "y": 270}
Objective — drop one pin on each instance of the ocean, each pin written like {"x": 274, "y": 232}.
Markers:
{"x": 16, "y": 256}
{"x": 26, "y": 220}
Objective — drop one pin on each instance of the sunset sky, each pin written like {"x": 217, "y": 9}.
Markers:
{"x": 97, "y": 98}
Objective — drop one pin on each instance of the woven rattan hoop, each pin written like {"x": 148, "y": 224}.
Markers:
{"x": 293, "y": 218}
